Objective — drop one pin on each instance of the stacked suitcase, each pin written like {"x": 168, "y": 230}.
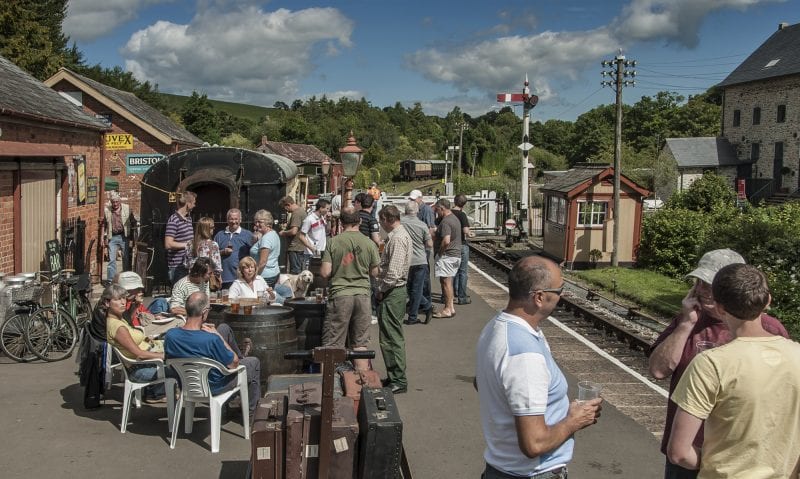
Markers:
{"x": 353, "y": 381}
{"x": 286, "y": 431}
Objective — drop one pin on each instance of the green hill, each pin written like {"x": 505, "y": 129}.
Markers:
{"x": 251, "y": 112}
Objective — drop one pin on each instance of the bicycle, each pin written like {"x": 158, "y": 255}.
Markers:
{"x": 52, "y": 331}
{"x": 13, "y": 342}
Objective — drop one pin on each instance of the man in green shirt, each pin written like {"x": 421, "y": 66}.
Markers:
{"x": 349, "y": 260}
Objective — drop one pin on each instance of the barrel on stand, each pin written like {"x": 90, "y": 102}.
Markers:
{"x": 273, "y": 332}
{"x": 314, "y": 265}
{"x": 309, "y": 315}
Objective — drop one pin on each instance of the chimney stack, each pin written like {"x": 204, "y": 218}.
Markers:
{"x": 782, "y": 25}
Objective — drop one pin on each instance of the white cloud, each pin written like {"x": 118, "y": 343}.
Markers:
{"x": 88, "y": 20}
{"x": 499, "y": 65}
{"x": 246, "y": 54}
{"x": 672, "y": 20}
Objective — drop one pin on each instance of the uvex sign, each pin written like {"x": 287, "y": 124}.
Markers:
{"x": 119, "y": 142}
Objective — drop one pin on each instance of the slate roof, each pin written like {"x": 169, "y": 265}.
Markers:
{"x": 299, "y": 153}
{"x": 140, "y": 109}
{"x": 582, "y": 174}
{"x": 25, "y": 96}
{"x": 783, "y": 45}
{"x": 703, "y": 152}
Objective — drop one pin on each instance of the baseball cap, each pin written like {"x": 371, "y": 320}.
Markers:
{"x": 712, "y": 262}
{"x": 414, "y": 194}
{"x": 130, "y": 280}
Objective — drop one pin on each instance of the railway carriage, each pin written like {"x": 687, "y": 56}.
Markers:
{"x": 422, "y": 169}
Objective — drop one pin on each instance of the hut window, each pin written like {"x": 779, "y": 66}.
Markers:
{"x": 592, "y": 213}
{"x": 556, "y": 210}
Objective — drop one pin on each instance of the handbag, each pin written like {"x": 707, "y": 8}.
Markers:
{"x": 215, "y": 282}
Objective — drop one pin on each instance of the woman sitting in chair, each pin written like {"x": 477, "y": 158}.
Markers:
{"x": 249, "y": 285}
{"x": 131, "y": 341}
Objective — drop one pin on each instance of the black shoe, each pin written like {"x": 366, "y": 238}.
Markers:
{"x": 466, "y": 300}
{"x": 398, "y": 389}
{"x": 410, "y": 322}
{"x": 428, "y": 315}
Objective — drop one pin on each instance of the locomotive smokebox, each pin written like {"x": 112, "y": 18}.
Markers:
{"x": 222, "y": 178}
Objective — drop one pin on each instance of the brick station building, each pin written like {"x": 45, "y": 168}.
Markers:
{"x": 50, "y": 162}
{"x": 139, "y": 134}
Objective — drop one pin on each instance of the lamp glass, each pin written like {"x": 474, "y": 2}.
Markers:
{"x": 326, "y": 167}
{"x": 350, "y": 163}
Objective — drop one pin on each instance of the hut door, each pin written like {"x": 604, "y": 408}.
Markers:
{"x": 38, "y": 216}
{"x": 213, "y": 199}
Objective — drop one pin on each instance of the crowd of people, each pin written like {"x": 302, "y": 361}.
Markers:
{"x": 719, "y": 421}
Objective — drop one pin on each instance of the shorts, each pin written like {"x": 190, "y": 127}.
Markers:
{"x": 446, "y": 266}
{"x": 347, "y": 320}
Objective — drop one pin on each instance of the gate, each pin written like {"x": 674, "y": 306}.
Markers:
{"x": 73, "y": 239}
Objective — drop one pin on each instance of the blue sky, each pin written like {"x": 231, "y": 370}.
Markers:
{"x": 442, "y": 54}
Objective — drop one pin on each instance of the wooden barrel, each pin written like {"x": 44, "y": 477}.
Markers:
{"x": 314, "y": 265}
{"x": 273, "y": 332}
{"x": 308, "y": 319}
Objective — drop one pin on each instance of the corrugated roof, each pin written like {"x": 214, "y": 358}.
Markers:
{"x": 703, "y": 152}
{"x": 778, "y": 56}
{"x": 24, "y": 95}
{"x": 140, "y": 109}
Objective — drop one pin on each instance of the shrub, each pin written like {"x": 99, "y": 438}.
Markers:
{"x": 671, "y": 241}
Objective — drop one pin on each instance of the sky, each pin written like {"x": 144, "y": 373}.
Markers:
{"x": 440, "y": 53}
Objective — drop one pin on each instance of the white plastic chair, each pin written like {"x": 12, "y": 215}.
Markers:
{"x": 134, "y": 388}
{"x": 193, "y": 373}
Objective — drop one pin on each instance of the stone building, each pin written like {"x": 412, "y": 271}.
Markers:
{"x": 689, "y": 158}
{"x": 139, "y": 134}
{"x": 51, "y": 157}
{"x": 761, "y": 112}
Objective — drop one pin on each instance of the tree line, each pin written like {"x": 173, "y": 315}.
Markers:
{"x": 31, "y": 36}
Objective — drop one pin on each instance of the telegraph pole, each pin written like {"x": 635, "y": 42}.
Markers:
{"x": 619, "y": 74}
{"x": 461, "y": 127}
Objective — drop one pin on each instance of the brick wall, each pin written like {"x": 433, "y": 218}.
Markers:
{"x": 43, "y": 138}
{"x": 766, "y": 95}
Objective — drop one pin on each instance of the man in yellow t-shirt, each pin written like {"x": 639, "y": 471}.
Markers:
{"x": 747, "y": 391}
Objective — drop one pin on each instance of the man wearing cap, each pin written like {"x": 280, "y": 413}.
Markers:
{"x": 677, "y": 345}
{"x": 137, "y": 314}
{"x": 425, "y": 211}
{"x": 118, "y": 223}
{"x": 747, "y": 392}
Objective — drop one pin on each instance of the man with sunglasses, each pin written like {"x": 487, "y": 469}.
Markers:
{"x": 677, "y": 345}
{"x": 528, "y": 421}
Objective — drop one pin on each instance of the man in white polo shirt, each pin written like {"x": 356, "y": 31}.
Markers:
{"x": 527, "y": 419}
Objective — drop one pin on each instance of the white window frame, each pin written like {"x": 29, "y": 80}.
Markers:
{"x": 596, "y": 210}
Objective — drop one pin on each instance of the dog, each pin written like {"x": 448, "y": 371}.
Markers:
{"x": 298, "y": 283}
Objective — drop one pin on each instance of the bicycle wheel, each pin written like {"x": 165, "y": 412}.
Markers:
{"x": 52, "y": 334}
{"x": 12, "y": 338}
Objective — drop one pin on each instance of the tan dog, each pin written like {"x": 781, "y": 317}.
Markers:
{"x": 299, "y": 283}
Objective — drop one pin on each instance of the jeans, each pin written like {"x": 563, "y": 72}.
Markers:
{"x": 297, "y": 261}
{"x": 144, "y": 375}
{"x": 251, "y": 364}
{"x": 460, "y": 281}
{"x": 159, "y": 305}
{"x": 673, "y": 471}
{"x": 176, "y": 273}
{"x": 115, "y": 244}
{"x": 418, "y": 296}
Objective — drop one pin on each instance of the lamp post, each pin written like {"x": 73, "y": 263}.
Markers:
{"x": 326, "y": 168}
{"x": 350, "y": 156}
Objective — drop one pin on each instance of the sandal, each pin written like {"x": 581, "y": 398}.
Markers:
{"x": 440, "y": 315}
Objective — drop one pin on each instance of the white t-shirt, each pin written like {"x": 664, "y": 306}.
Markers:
{"x": 240, "y": 289}
{"x": 517, "y": 376}
{"x": 314, "y": 228}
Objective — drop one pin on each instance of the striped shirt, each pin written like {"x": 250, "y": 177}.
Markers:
{"x": 182, "y": 289}
{"x": 180, "y": 229}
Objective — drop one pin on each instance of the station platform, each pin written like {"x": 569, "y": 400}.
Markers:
{"x": 48, "y": 433}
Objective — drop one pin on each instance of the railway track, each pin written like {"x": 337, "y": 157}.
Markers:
{"x": 619, "y": 323}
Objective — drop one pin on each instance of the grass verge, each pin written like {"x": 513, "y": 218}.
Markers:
{"x": 654, "y": 292}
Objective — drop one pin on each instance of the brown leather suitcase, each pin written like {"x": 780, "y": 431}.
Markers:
{"x": 355, "y": 380}
{"x": 266, "y": 439}
{"x": 303, "y": 422}
{"x": 281, "y": 382}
